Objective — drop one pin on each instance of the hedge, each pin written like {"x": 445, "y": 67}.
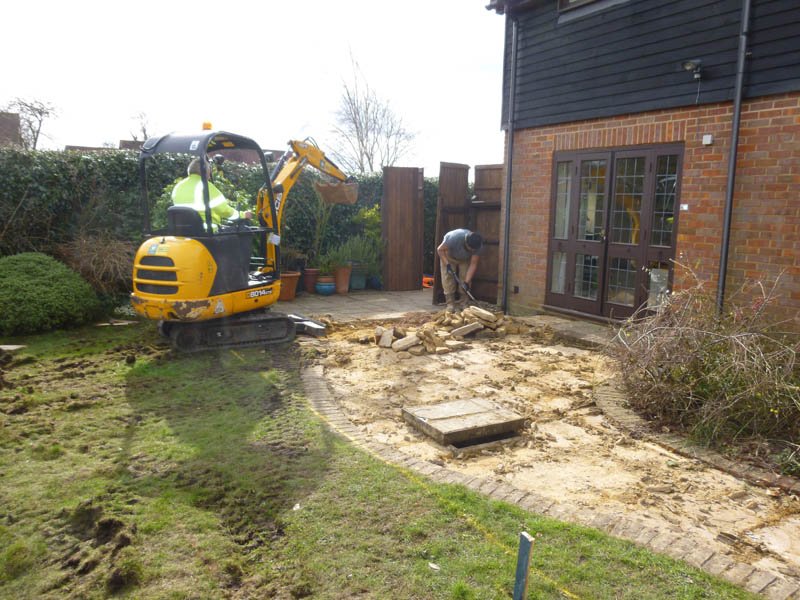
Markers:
{"x": 51, "y": 198}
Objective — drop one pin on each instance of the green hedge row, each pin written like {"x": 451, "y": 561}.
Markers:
{"x": 50, "y": 198}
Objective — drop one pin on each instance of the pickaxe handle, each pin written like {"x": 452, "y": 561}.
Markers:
{"x": 463, "y": 286}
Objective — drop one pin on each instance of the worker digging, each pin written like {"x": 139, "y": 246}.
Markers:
{"x": 460, "y": 247}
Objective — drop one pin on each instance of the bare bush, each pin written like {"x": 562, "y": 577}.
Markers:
{"x": 724, "y": 378}
{"x": 106, "y": 263}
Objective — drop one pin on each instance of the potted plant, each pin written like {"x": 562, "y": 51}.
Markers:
{"x": 321, "y": 214}
{"x": 340, "y": 261}
{"x": 289, "y": 274}
{"x": 326, "y": 282}
{"x": 364, "y": 253}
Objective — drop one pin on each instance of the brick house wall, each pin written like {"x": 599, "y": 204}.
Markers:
{"x": 765, "y": 229}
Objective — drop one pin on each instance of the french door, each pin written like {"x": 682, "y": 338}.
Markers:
{"x": 613, "y": 225}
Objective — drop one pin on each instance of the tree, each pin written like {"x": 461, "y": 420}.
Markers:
{"x": 142, "y": 123}
{"x": 32, "y": 114}
{"x": 368, "y": 133}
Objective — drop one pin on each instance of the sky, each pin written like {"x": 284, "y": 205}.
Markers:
{"x": 272, "y": 70}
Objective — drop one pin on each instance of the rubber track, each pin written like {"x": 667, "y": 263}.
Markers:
{"x": 234, "y": 324}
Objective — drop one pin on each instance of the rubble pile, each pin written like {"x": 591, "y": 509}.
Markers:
{"x": 445, "y": 332}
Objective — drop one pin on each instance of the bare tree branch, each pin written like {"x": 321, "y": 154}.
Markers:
{"x": 369, "y": 135}
{"x": 32, "y": 114}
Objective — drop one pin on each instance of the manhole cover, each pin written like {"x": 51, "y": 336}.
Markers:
{"x": 456, "y": 423}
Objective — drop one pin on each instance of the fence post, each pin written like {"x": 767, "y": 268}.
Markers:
{"x": 523, "y": 566}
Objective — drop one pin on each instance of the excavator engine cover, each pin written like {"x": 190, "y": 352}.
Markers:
{"x": 337, "y": 193}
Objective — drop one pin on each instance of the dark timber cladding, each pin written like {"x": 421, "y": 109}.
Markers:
{"x": 626, "y": 57}
{"x": 402, "y": 224}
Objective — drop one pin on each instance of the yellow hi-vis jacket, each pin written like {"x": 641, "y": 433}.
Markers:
{"x": 189, "y": 192}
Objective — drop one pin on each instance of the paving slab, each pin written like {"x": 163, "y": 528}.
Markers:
{"x": 459, "y": 421}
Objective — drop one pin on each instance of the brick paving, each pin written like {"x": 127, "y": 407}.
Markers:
{"x": 766, "y": 583}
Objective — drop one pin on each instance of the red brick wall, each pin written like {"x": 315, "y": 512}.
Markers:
{"x": 765, "y": 230}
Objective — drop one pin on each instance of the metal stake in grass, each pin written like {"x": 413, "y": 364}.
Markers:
{"x": 523, "y": 566}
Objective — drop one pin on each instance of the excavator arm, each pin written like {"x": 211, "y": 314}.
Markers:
{"x": 287, "y": 172}
{"x": 285, "y": 175}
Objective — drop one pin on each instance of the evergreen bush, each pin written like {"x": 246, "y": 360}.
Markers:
{"x": 38, "y": 293}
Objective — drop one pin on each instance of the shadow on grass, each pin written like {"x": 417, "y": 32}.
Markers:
{"x": 227, "y": 433}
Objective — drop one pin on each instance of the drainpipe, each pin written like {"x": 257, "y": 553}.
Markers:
{"x": 737, "y": 114}
{"x": 512, "y": 92}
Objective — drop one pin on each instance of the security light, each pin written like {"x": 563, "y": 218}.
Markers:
{"x": 693, "y": 65}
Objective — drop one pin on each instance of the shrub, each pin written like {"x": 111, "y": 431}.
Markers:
{"x": 106, "y": 263}
{"x": 38, "y": 293}
{"x": 726, "y": 379}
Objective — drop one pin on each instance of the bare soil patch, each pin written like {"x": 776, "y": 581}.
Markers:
{"x": 569, "y": 452}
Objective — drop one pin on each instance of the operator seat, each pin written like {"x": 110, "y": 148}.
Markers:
{"x": 184, "y": 221}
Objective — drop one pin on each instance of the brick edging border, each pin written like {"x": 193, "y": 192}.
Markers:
{"x": 759, "y": 581}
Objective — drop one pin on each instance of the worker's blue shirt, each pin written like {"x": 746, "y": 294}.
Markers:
{"x": 455, "y": 242}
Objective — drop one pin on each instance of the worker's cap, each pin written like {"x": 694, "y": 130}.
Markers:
{"x": 474, "y": 240}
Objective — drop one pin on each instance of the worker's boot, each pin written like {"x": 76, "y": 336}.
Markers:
{"x": 451, "y": 302}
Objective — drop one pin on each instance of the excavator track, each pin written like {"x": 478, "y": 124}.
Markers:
{"x": 253, "y": 328}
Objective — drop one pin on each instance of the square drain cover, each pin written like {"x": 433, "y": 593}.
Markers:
{"x": 453, "y": 423}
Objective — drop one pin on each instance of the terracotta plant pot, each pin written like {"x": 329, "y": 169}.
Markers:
{"x": 288, "y": 285}
{"x": 310, "y": 279}
{"x": 343, "y": 279}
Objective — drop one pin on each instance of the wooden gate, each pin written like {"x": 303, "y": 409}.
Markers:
{"x": 480, "y": 213}
{"x": 402, "y": 225}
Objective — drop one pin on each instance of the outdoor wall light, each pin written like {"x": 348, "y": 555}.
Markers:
{"x": 693, "y": 65}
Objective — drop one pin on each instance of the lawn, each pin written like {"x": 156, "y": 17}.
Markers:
{"x": 130, "y": 471}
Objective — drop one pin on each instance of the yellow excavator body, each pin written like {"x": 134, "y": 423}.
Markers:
{"x": 199, "y": 280}
{"x": 184, "y": 268}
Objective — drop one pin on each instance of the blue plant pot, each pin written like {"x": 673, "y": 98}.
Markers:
{"x": 326, "y": 289}
{"x": 374, "y": 282}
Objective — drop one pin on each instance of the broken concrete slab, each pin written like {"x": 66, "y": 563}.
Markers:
{"x": 480, "y": 313}
{"x": 406, "y": 343}
{"x": 387, "y": 337}
{"x": 459, "y": 421}
{"x": 466, "y": 329}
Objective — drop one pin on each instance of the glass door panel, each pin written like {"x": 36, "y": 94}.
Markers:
{"x": 622, "y": 281}
{"x": 664, "y": 202}
{"x": 628, "y": 192}
{"x": 558, "y": 273}
{"x": 563, "y": 196}
{"x": 592, "y": 205}
{"x": 586, "y": 276}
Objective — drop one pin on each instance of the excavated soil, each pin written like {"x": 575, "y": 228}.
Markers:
{"x": 568, "y": 451}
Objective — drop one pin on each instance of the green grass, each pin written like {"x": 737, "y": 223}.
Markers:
{"x": 207, "y": 476}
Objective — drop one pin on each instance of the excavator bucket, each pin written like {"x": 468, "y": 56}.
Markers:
{"x": 337, "y": 193}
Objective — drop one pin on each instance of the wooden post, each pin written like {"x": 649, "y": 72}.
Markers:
{"x": 523, "y": 566}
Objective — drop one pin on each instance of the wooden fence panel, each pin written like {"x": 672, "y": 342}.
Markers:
{"x": 485, "y": 219}
{"x": 402, "y": 224}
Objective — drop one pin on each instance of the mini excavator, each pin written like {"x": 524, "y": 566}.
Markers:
{"x": 200, "y": 281}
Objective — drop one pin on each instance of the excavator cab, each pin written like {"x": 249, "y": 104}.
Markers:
{"x": 201, "y": 279}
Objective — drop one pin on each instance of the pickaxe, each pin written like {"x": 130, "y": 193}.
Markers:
{"x": 461, "y": 284}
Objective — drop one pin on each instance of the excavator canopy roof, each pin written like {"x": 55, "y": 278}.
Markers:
{"x": 198, "y": 143}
